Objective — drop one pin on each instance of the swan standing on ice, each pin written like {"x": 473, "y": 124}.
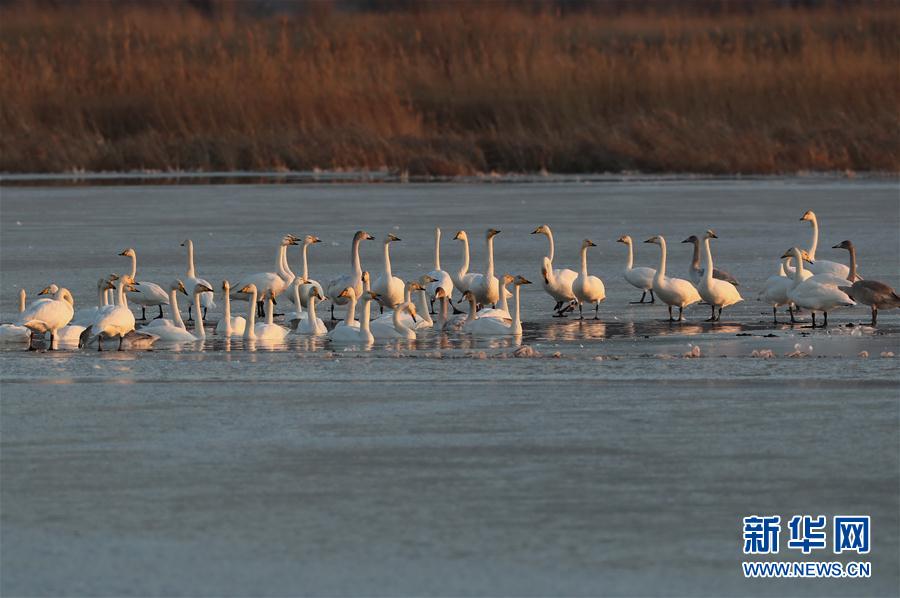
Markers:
{"x": 311, "y": 324}
{"x": 775, "y": 292}
{"x": 674, "y": 292}
{"x": 442, "y": 279}
{"x": 817, "y": 266}
{"x": 812, "y": 294}
{"x": 494, "y": 326}
{"x": 696, "y": 271}
{"x": 486, "y": 287}
{"x": 557, "y": 282}
{"x": 640, "y": 277}
{"x": 267, "y": 283}
{"x": 388, "y": 287}
{"x": 335, "y": 288}
{"x": 716, "y": 292}
{"x": 207, "y": 300}
{"x": 343, "y": 333}
{"x": 876, "y": 295}
{"x": 229, "y": 325}
{"x": 117, "y": 320}
{"x": 462, "y": 278}
{"x": 151, "y": 294}
{"x": 50, "y": 315}
{"x": 587, "y": 288}
{"x": 14, "y": 333}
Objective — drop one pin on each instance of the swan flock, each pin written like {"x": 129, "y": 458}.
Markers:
{"x": 408, "y": 308}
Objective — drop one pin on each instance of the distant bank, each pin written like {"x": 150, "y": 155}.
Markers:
{"x": 452, "y": 91}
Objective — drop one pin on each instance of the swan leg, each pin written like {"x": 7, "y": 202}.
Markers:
{"x": 670, "y": 314}
{"x": 642, "y": 298}
{"x": 160, "y": 313}
{"x": 332, "y": 312}
{"x": 100, "y": 342}
{"x": 580, "y": 312}
{"x": 50, "y": 348}
{"x": 874, "y": 315}
{"x": 712, "y": 317}
{"x": 825, "y": 313}
{"x": 190, "y": 316}
{"x": 775, "y": 315}
{"x": 557, "y": 306}
{"x": 680, "y": 314}
{"x": 143, "y": 313}
{"x": 121, "y": 338}
{"x": 719, "y": 317}
{"x": 652, "y": 298}
{"x": 204, "y": 312}
{"x": 597, "y": 310}
{"x": 813, "y": 318}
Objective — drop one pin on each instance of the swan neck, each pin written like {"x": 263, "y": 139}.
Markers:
{"x": 798, "y": 269}
{"x": 504, "y": 303}
{"x": 709, "y": 261}
{"x": 270, "y": 309}
{"x": 176, "y": 313}
{"x": 815, "y": 238}
{"x": 437, "y": 249}
{"x": 661, "y": 272}
{"x": 120, "y": 289}
{"x": 422, "y": 307}
{"x": 387, "y": 262}
{"x": 490, "y": 258}
{"x": 190, "y": 271}
{"x": 517, "y": 323}
{"x": 354, "y": 258}
{"x": 199, "y": 331}
{"x": 250, "y": 330}
{"x": 22, "y": 300}
{"x": 133, "y": 264}
{"x": 298, "y": 306}
{"x": 471, "y": 315}
{"x": 552, "y": 246}
{"x": 351, "y": 308}
{"x": 852, "y": 277}
{"x": 101, "y": 297}
{"x": 366, "y": 314}
{"x": 629, "y": 264}
{"x": 227, "y": 314}
{"x": 584, "y": 261}
{"x": 695, "y": 261}
{"x": 305, "y": 261}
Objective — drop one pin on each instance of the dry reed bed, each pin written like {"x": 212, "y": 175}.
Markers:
{"x": 451, "y": 91}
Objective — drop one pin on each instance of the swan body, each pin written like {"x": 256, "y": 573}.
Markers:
{"x": 307, "y": 284}
{"x": 334, "y": 290}
{"x": 49, "y": 315}
{"x": 813, "y": 295}
{"x": 442, "y": 279}
{"x": 500, "y": 312}
{"x": 486, "y": 287}
{"x": 312, "y": 324}
{"x": 494, "y": 326}
{"x": 674, "y": 292}
{"x": 696, "y": 271}
{"x": 264, "y": 331}
{"x": 587, "y": 288}
{"x": 229, "y": 325}
{"x": 360, "y": 333}
{"x": 640, "y": 277}
{"x": 267, "y": 283}
{"x": 398, "y": 330}
{"x": 557, "y": 282}
{"x": 14, "y": 333}
{"x": 151, "y": 294}
{"x": 462, "y": 278}
{"x": 387, "y": 287}
{"x": 775, "y": 291}
{"x": 717, "y": 293}
{"x": 420, "y": 302}
{"x": 115, "y": 321}
{"x": 207, "y": 300}
{"x": 818, "y": 266}
{"x": 174, "y": 330}
{"x": 876, "y": 295}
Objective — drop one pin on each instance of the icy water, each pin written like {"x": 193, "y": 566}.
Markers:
{"x": 606, "y": 464}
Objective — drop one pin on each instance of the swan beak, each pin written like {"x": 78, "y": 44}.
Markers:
{"x": 124, "y": 252}
{"x": 523, "y": 280}
{"x": 457, "y": 236}
{"x": 391, "y": 237}
{"x": 316, "y": 240}
{"x": 182, "y": 244}
{"x": 536, "y": 231}
{"x": 45, "y": 291}
{"x": 651, "y": 240}
{"x": 688, "y": 240}
{"x": 591, "y": 244}
{"x": 369, "y": 237}
{"x": 205, "y": 289}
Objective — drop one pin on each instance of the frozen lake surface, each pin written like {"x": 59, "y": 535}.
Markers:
{"x": 446, "y": 467}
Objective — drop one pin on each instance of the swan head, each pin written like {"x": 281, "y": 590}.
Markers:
{"x": 311, "y": 240}
{"x": 364, "y": 277}
{"x": 390, "y": 238}
{"x": 414, "y": 286}
{"x": 186, "y": 243}
{"x": 248, "y": 288}
{"x": 467, "y": 296}
{"x": 520, "y": 280}
{"x": 226, "y": 285}
{"x": 128, "y": 252}
{"x": 626, "y": 239}
{"x": 654, "y": 239}
{"x": 375, "y": 296}
{"x": 427, "y": 279}
{"x": 460, "y": 236}
{"x": 506, "y": 279}
{"x": 348, "y": 293}
{"x": 289, "y": 240}
{"x": 317, "y": 294}
{"x": 49, "y": 290}
{"x": 201, "y": 288}
{"x": 491, "y": 233}
{"x": 177, "y": 285}
{"x": 440, "y": 293}
{"x": 362, "y": 235}
{"x": 587, "y": 243}
{"x": 541, "y": 230}
{"x": 710, "y": 234}
{"x": 844, "y": 245}
{"x": 796, "y": 252}
{"x": 808, "y": 215}
{"x": 409, "y": 307}
{"x": 691, "y": 239}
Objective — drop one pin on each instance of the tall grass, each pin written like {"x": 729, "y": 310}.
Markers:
{"x": 451, "y": 90}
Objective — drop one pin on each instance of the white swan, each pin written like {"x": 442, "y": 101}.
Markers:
{"x": 502, "y": 310}
{"x": 462, "y": 278}
{"x": 696, "y": 271}
{"x": 230, "y": 325}
{"x": 493, "y": 326}
{"x": 86, "y": 315}
{"x": 336, "y": 286}
{"x": 115, "y": 321}
{"x": 442, "y": 279}
{"x": 14, "y": 333}
{"x": 775, "y": 291}
{"x": 399, "y": 329}
{"x": 640, "y": 277}
{"x": 815, "y": 295}
{"x": 265, "y": 331}
{"x": 674, "y": 292}
{"x": 151, "y": 294}
{"x": 716, "y": 292}
{"x": 171, "y": 328}
{"x": 207, "y": 300}
{"x": 306, "y": 284}
{"x": 345, "y": 333}
{"x": 877, "y": 295}
{"x": 556, "y": 282}
{"x": 420, "y": 302}
{"x": 387, "y": 287}
{"x": 49, "y": 315}
{"x": 267, "y": 283}
{"x": 172, "y": 331}
{"x": 312, "y": 324}
{"x": 587, "y": 288}
{"x": 294, "y": 293}
{"x": 818, "y": 266}
{"x": 486, "y": 287}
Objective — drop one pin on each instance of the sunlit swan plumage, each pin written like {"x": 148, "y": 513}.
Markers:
{"x": 115, "y": 321}
{"x": 399, "y": 329}
{"x": 267, "y": 283}
{"x": 307, "y": 284}
{"x": 816, "y": 265}
{"x": 49, "y": 316}
{"x": 387, "y": 287}
{"x": 462, "y": 278}
{"x": 717, "y": 293}
{"x": 494, "y": 326}
{"x": 486, "y": 287}
{"x": 674, "y": 292}
{"x": 557, "y": 282}
{"x": 207, "y": 300}
{"x": 442, "y": 279}
{"x": 343, "y": 333}
{"x": 640, "y": 277}
{"x": 312, "y": 324}
{"x": 696, "y": 271}
{"x": 174, "y": 331}
{"x": 264, "y": 331}
{"x": 151, "y": 294}
{"x": 876, "y": 295}
{"x": 336, "y": 286}
{"x": 775, "y": 291}
{"x": 814, "y": 295}
{"x": 229, "y": 325}
{"x": 587, "y": 288}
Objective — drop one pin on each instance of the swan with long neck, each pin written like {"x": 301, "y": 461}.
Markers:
{"x": 399, "y": 329}
{"x": 717, "y": 293}
{"x": 414, "y": 294}
{"x": 175, "y": 287}
{"x": 174, "y": 331}
{"x": 335, "y": 288}
{"x": 486, "y": 287}
{"x": 812, "y": 294}
{"x": 207, "y": 300}
{"x": 267, "y": 283}
{"x": 587, "y": 288}
{"x": 640, "y": 277}
{"x": 674, "y": 292}
{"x": 151, "y": 294}
{"x": 816, "y": 265}
{"x": 361, "y": 333}
{"x": 557, "y": 282}
{"x": 118, "y": 321}
{"x": 696, "y": 271}
{"x": 265, "y": 331}
{"x": 312, "y": 324}
{"x": 877, "y": 295}
{"x": 387, "y": 287}
{"x": 494, "y": 326}
{"x": 308, "y": 284}
{"x": 775, "y": 291}
{"x": 49, "y": 316}
{"x": 442, "y": 279}
{"x": 229, "y": 325}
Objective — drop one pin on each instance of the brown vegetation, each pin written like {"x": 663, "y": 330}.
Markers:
{"x": 450, "y": 90}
